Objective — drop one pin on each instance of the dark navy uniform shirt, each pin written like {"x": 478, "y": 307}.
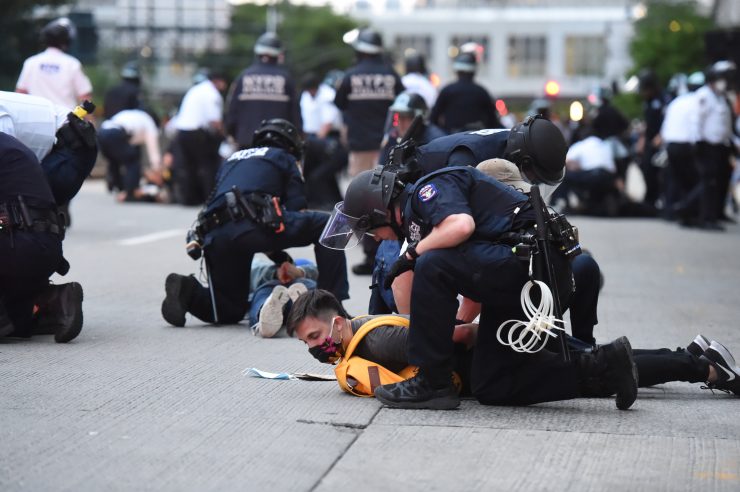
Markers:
{"x": 496, "y": 208}
{"x": 261, "y": 92}
{"x": 462, "y": 149}
{"x": 366, "y": 92}
{"x": 125, "y": 95}
{"x": 463, "y": 105}
{"x": 21, "y": 174}
{"x": 268, "y": 170}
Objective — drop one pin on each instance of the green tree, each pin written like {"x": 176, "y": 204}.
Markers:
{"x": 312, "y": 37}
{"x": 670, "y": 39}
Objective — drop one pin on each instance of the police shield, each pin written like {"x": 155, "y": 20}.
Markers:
{"x": 343, "y": 231}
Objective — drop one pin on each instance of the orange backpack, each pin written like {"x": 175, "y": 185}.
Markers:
{"x": 359, "y": 376}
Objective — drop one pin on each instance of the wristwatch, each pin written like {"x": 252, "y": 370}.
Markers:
{"x": 411, "y": 251}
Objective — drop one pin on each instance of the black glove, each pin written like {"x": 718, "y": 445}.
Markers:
{"x": 401, "y": 265}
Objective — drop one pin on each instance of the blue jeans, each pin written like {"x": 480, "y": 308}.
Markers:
{"x": 263, "y": 292}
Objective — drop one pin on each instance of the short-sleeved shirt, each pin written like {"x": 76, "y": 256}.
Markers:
{"x": 384, "y": 345}
{"x": 592, "y": 153}
{"x": 32, "y": 120}
{"x": 141, "y": 130}
{"x": 56, "y": 76}
{"x": 202, "y": 104}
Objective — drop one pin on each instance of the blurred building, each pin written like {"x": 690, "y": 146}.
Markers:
{"x": 524, "y": 43}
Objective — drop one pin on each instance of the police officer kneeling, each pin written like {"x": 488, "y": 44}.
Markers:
{"x": 454, "y": 220}
{"x": 31, "y": 232}
{"x": 257, "y": 206}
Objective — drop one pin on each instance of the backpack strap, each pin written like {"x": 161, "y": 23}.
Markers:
{"x": 389, "y": 319}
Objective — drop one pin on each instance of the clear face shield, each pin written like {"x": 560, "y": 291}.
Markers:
{"x": 343, "y": 231}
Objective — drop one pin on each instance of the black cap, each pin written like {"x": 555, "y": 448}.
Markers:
{"x": 415, "y": 63}
{"x": 58, "y": 33}
{"x": 279, "y": 133}
{"x": 464, "y": 62}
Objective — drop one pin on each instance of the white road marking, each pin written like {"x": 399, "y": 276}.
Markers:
{"x": 150, "y": 238}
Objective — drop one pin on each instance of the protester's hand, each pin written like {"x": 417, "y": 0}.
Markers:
{"x": 401, "y": 265}
{"x": 287, "y": 272}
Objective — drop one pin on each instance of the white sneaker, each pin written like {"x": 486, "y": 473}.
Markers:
{"x": 271, "y": 314}
{"x": 295, "y": 290}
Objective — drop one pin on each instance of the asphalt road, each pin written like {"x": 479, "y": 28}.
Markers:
{"x": 134, "y": 404}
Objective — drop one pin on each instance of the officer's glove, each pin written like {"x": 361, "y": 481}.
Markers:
{"x": 401, "y": 265}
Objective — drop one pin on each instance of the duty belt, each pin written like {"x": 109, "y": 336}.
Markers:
{"x": 16, "y": 214}
{"x": 261, "y": 208}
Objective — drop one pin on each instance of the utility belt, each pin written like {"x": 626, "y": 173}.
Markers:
{"x": 16, "y": 214}
{"x": 561, "y": 234}
{"x": 261, "y": 208}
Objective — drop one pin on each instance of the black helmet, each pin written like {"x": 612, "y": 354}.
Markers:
{"x": 722, "y": 69}
{"x": 365, "y": 207}
{"x": 268, "y": 45}
{"x": 278, "y": 133}
{"x": 648, "y": 80}
{"x": 415, "y": 63}
{"x": 538, "y": 149}
{"x": 130, "y": 71}
{"x": 464, "y": 62}
{"x": 409, "y": 103}
{"x": 58, "y": 33}
{"x": 368, "y": 42}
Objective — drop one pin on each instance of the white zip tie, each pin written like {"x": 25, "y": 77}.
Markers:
{"x": 532, "y": 336}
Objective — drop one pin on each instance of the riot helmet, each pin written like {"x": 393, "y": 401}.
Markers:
{"x": 268, "y": 45}
{"x": 695, "y": 80}
{"x": 464, "y": 62}
{"x": 59, "y": 33}
{"x": 409, "y": 103}
{"x": 368, "y": 42}
{"x": 130, "y": 71}
{"x": 279, "y": 133}
{"x": 415, "y": 63}
{"x": 538, "y": 149}
{"x": 365, "y": 207}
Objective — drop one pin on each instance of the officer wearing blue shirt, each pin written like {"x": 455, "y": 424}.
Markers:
{"x": 257, "y": 206}
{"x": 264, "y": 90}
{"x": 454, "y": 220}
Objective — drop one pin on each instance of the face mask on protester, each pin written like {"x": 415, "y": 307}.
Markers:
{"x": 720, "y": 85}
{"x": 329, "y": 351}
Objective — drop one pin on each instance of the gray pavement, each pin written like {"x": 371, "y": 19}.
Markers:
{"x": 134, "y": 404}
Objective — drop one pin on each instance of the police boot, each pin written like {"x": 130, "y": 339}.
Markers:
{"x": 6, "y": 326}
{"x": 419, "y": 392}
{"x": 179, "y": 291}
{"x": 59, "y": 312}
{"x": 609, "y": 369}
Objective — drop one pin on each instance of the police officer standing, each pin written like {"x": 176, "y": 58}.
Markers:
{"x": 649, "y": 142}
{"x": 416, "y": 78}
{"x": 257, "y": 206}
{"x": 53, "y": 73}
{"x": 464, "y": 105}
{"x": 454, "y": 220}
{"x": 264, "y": 90}
{"x": 364, "y": 95}
{"x": 125, "y": 95}
{"x": 31, "y": 232}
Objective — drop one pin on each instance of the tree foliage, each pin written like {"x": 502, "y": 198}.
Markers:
{"x": 312, "y": 37}
{"x": 670, "y": 39}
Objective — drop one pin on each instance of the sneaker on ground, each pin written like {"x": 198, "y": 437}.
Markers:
{"x": 418, "y": 392}
{"x": 728, "y": 373}
{"x": 296, "y": 290}
{"x": 698, "y": 345}
{"x": 179, "y": 290}
{"x": 271, "y": 314}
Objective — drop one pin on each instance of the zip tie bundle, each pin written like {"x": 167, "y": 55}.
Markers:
{"x": 532, "y": 336}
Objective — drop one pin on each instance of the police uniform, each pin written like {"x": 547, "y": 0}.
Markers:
{"x": 126, "y": 95}
{"x": 56, "y": 76}
{"x": 487, "y": 272}
{"x": 462, "y": 149}
{"x": 230, "y": 246}
{"x": 199, "y": 142}
{"x": 30, "y": 235}
{"x": 366, "y": 92}
{"x": 262, "y": 91}
{"x": 653, "y": 113}
{"x": 464, "y": 105}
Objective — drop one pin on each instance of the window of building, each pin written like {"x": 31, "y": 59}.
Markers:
{"x": 585, "y": 55}
{"x": 481, "y": 51}
{"x": 527, "y": 56}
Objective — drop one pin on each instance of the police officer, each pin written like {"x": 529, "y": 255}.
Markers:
{"x": 416, "y": 78}
{"x": 31, "y": 232}
{"x": 257, "y": 206}
{"x": 464, "y": 105}
{"x": 126, "y": 94}
{"x": 649, "y": 143}
{"x": 53, "y": 73}
{"x": 364, "y": 95}
{"x": 453, "y": 220}
{"x": 264, "y": 90}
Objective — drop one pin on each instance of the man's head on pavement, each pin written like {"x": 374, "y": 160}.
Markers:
{"x": 59, "y": 33}
{"x": 318, "y": 319}
{"x": 279, "y": 133}
{"x": 538, "y": 149}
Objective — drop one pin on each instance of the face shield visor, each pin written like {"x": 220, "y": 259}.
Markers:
{"x": 343, "y": 231}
